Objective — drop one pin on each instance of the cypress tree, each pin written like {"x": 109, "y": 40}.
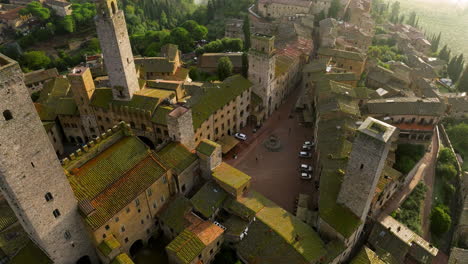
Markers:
{"x": 463, "y": 83}
{"x": 246, "y": 29}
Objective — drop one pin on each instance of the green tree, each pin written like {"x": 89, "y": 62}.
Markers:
{"x": 245, "y": 65}
{"x": 446, "y": 156}
{"x": 440, "y": 221}
{"x": 412, "y": 19}
{"x": 446, "y": 170}
{"x": 198, "y": 32}
{"x": 37, "y": 10}
{"x": 444, "y": 53}
{"x": 334, "y": 9}
{"x": 395, "y": 12}
{"x": 68, "y": 24}
{"x": 163, "y": 21}
{"x": 246, "y": 30}
{"x": 435, "y": 42}
{"x": 463, "y": 82}
{"x": 35, "y": 60}
{"x": 181, "y": 37}
{"x": 195, "y": 74}
{"x": 224, "y": 68}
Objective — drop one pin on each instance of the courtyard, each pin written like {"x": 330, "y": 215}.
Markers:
{"x": 276, "y": 174}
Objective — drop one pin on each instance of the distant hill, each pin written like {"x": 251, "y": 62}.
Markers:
{"x": 449, "y": 17}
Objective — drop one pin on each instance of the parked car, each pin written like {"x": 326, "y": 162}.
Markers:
{"x": 305, "y": 154}
{"x": 309, "y": 143}
{"x": 240, "y": 136}
{"x": 306, "y": 147}
{"x": 306, "y": 176}
{"x": 306, "y": 168}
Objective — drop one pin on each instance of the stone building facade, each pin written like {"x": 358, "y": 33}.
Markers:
{"x": 32, "y": 179}
{"x": 283, "y": 8}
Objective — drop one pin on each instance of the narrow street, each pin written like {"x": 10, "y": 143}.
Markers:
{"x": 429, "y": 178}
{"x": 276, "y": 174}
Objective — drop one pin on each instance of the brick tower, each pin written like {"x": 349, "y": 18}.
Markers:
{"x": 262, "y": 63}
{"x": 365, "y": 165}
{"x": 32, "y": 179}
{"x": 82, "y": 85}
{"x": 115, "y": 46}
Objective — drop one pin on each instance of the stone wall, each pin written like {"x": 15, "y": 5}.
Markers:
{"x": 29, "y": 169}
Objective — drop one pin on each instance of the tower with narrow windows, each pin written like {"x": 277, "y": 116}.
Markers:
{"x": 262, "y": 63}
{"x": 82, "y": 85}
{"x": 32, "y": 179}
{"x": 115, "y": 46}
{"x": 365, "y": 165}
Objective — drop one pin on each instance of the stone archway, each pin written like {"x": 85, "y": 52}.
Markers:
{"x": 147, "y": 141}
{"x": 84, "y": 260}
{"x": 136, "y": 246}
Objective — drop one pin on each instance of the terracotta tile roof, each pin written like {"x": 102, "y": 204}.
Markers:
{"x": 7, "y": 216}
{"x": 186, "y": 246}
{"x": 206, "y": 231}
{"x": 40, "y": 75}
{"x": 176, "y": 156}
{"x": 230, "y": 176}
{"x": 294, "y": 236}
{"x": 209, "y": 198}
{"x": 113, "y": 178}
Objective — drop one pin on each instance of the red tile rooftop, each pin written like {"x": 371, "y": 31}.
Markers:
{"x": 404, "y": 126}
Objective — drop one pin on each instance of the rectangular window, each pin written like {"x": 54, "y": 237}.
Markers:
{"x": 137, "y": 202}
{"x": 149, "y": 192}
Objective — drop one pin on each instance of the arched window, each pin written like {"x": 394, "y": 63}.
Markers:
{"x": 49, "y": 197}
{"x": 56, "y": 213}
{"x": 7, "y": 115}
{"x": 114, "y": 8}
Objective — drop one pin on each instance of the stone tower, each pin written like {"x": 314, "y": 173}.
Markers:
{"x": 262, "y": 63}
{"x": 365, "y": 165}
{"x": 82, "y": 85}
{"x": 32, "y": 179}
{"x": 210, "y": 155}
{"x": 115, "y": 45}
{"x": 180, "y": 126}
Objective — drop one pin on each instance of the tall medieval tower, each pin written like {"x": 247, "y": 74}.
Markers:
{"x": 82, "y": 85}
{"x": 32, "y": 179}
{"x": 365, "y": 165}
{"x": 115, "y": 45}
{"x": 262, "y": 63}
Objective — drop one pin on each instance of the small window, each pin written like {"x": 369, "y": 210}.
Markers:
{"x": 149, "y": 192}
{"x": 67, "y": 235}
{"x": 137, "y": 202}
{"x": 117, "y": 219}
{"x": 362, "y": 166}
{"x": 162, "y": 199}
{"x": 7, "y": 115}
{"x": 126, "y": 240}
{"x": 128, "y": 210}
{"x": 107, "y": 227}
{"x": 122, "y": 228}
{"x": 142, "y": 221}
{"x": 48, "y": 197}
{"x": 104, "y": 236}
{"x": 56, "y": 213}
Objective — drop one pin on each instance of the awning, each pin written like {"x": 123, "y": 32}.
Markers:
{"x": 227, "y": 143}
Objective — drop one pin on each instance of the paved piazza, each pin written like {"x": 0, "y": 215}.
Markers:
{"x": 276, "y": 174}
